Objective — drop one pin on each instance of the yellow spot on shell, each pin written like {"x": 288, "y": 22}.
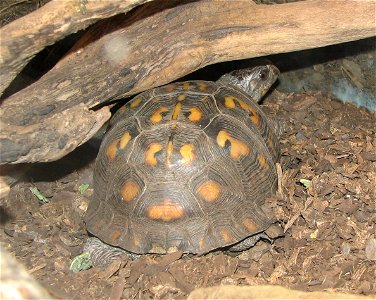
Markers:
{"x": 112, "y": 149}
{"x": 229, "y": 102}
{"x": 186, "y": 85}
{"x": 263, "y": 162}
{"x": 150, "y": 153}
{"x": 254, "y": 116}
{"x": 226, "y": 235}
{"x": 176, "y": 112}
{"x": 181, "y": 97}
{"x": 195, "y": 114}
{"x": 130, "y": 190}
{"x": 251, "y": 226}
{"x": 115, "y": 235}
{"x": 157, "y": 115}
{"x": 238, "y": 148}
{"x": 136, "y": 102}
{"x": 165, "y": 211}
{"x": 126, "y": 137}
{"x": 188, "y": 153}
{"x": 209, "y": 190}
{"x": 202, "y": 86}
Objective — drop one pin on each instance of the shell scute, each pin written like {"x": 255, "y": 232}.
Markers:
{"x": 238, "y": 104}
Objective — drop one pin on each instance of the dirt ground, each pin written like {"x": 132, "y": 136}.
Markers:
{"x": 327, "y": 209}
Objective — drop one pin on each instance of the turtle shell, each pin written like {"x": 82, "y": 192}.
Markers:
{"x": 186, "y": 166}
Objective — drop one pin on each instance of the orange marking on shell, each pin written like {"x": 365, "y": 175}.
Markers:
{"x": 244, "y": 105}
{"x": 238, "y": 148}
{"x": 122, "y": 109}
{"x": 195, "y": 114}
{"x": 209, "y": 190}
{"x": 170, "y": 149}
{"x": 226, "y": 235}
{"x": 157, "y": 115}
{"x": 136, "y": 102}
{"x": 130, "y": 190}
{"x": 202, "y": 86}
{"x": 263, "y": 162}
{"x": 202, "y": 244}
{"x": 176, "y": 112}
{"x": 115, "y": 235}
{"x": 229, "y": 102}
{"x": 254, "y": 116}
{"x": 150, "y": 153}
{"x": 112, "y": 149}
{"x": 126, "y": 137}
{"x": 251, "y": 226}
{"x": 182, "y": 97}
{"x": 165, "y": 211}
{"x": 136, "y": 242}
{"x": 186, "y": 85}
{"x": 170, "y": 88}
{"x": 188, "y": 153}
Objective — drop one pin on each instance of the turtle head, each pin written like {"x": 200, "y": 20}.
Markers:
{"x": 255, "y": 81}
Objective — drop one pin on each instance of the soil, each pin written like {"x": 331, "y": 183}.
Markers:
{"x": 326, "y": 206}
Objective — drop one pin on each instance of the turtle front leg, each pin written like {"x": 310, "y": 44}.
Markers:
{"x": 249, "y": 242}
{"x": 102, "y": 254}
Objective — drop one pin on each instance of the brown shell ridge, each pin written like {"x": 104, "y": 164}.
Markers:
{"x": 254, "y": 200}
{"x": 104, "y": 225}
{"x": 178, "y": 88}
{"x": 159, "y": 239}
{"x": 258, "y": 184}
{"x": 214, "y": 224}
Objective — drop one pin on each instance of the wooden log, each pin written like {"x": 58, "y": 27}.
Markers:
{"x": 260, "y": 292}
{"x": 151, "y": 51}
{"x": 52, "y": 137}
{"x": 25, "y": 37}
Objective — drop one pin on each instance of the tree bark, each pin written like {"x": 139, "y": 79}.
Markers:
{"x": 25, "y": 37}
{"x": 151, "y": 51}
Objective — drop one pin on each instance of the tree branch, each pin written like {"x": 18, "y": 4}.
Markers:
{"x": 25, "y": 37}
{"x": 157, "y": 49}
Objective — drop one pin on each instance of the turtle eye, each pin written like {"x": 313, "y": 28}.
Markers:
{"x": 263, "y": 75}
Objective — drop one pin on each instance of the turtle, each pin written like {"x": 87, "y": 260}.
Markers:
{"x": 188, "y": 166}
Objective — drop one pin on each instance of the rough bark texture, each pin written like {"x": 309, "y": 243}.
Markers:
{"x": 146, "y": 52}
{"x": 25, "y": 37}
